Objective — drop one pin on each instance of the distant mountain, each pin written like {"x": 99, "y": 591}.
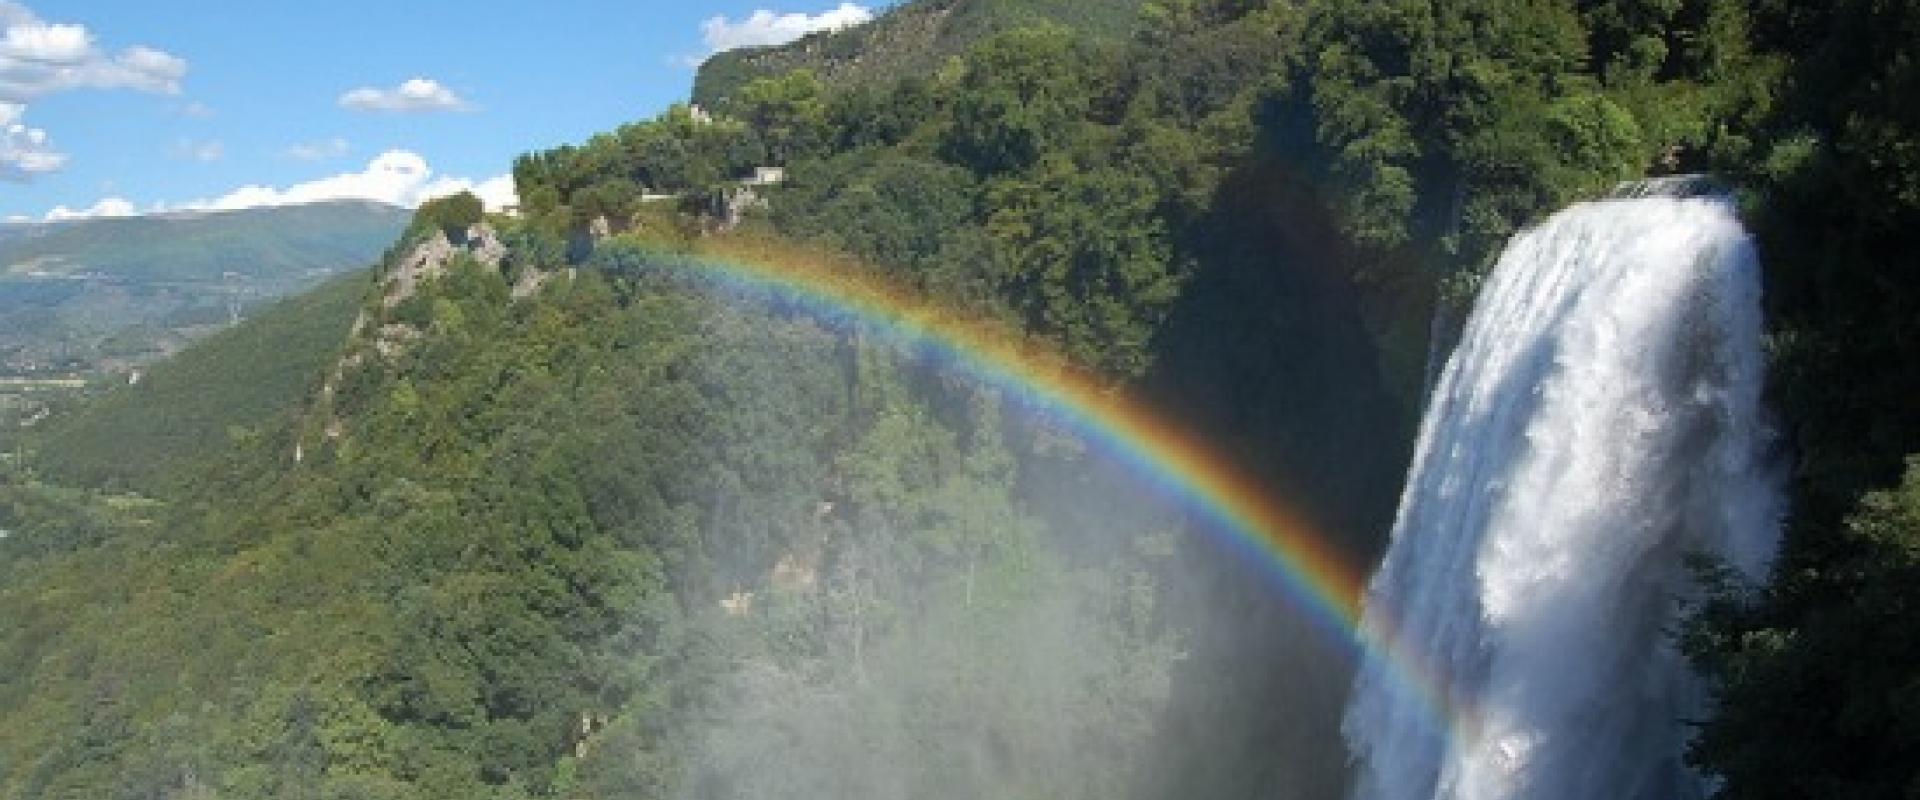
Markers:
{"x": 914, "y": 38}
{"x": 80, "y": 296}
{"x": 260, "y": 244}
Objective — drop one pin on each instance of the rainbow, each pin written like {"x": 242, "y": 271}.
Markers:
{"x": 1247, "y": 519}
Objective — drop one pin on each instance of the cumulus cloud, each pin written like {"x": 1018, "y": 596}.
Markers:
{"x": 765, "y": 27}
{"x": 396, "y": 177}
{"x": 414, "y": 95}
{"x": 53, "y": 44}
{"x": 24, "y": 151}
{"x": 108, "y": 207}
{"x": 318, "y": 150}
{"x": 496, "y": 193}
{"x": 38, "y": 58}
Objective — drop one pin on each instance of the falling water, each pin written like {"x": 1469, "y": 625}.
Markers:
{"x": 1599, "y": 421}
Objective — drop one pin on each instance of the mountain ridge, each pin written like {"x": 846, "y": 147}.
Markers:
{"x": 275, "y": 239}
{"x": 912, "y": 39}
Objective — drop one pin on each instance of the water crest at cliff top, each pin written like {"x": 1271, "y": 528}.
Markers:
{"x": 1599, "y": 421}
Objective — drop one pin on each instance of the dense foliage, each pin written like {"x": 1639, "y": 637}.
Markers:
{"x": 1819, "y": 672}
{"x": 451, "y": 215}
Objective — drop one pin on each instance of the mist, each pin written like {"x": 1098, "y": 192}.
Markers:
{"x": 965, "y": 602}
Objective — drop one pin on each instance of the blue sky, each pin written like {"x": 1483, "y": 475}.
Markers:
{"x": 121, "y": 106}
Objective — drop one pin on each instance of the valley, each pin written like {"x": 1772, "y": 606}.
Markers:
{"x": 89, "y": 304}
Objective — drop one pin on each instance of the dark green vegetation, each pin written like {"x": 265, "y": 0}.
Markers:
{"x": 1820, "y": 672}
{"x": 452, "y": 215}
{"x": 625, "y": 535}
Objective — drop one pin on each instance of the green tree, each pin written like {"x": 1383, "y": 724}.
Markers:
{"x": 1018, "y": 96}
{"x": 891, "y": 207}
{"x": 616, "y": 199}
{"x": 1084, "y": 256}
{"x": 451, "y": 215}
{"x": 789, "y": 112}
{"x": 1815, "y": 674}
{"x": 1818, "y": 678}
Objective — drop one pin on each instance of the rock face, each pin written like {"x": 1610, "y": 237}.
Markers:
{"x": 485, "y": 245}
{"x": 376, "y": 335}
{"x": 431, "y": 257}
{"x": 529, "y": 283}
{"x": 429, "y": 260}
{"x": 736, "y": 203}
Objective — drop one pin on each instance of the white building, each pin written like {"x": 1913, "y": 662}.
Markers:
{"x": 767, "y": 176}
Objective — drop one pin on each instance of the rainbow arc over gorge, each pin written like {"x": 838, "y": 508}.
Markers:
{"x": 1236, "y": 509}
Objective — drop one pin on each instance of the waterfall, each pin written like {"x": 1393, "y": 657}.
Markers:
{"x": 1598, "y": 422}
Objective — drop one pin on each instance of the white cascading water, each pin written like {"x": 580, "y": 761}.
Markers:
{"x": 1599, "y": 420}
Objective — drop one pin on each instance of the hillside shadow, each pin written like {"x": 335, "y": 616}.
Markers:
{"x": 1267, "y": 355}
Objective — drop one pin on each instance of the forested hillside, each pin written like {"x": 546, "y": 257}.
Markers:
{"x": 234, "y": 384}
{"x": 914, "y": 38}
{"x": 529, "y": 554}
{"x": 568, "y": 523}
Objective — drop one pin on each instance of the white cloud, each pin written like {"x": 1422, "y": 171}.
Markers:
{"x": 416, "y": 94}
{"x": 24, "y": 151}
{"x": 108, "y": 207}
{"x": 496, "y": 193}
{"x": 318, "y": 151}
{"x": 38, "y": 58}
{"x": 53, "y": 44}
{"x": 765, "y": 27}
{"x": 397, "y": 177}
{"x": 154, "y": 64}
{"x": 205, "y": 152}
